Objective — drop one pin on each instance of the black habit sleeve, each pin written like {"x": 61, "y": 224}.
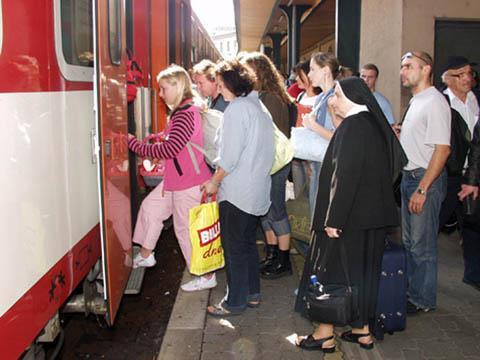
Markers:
{"x": 348, "y": 156}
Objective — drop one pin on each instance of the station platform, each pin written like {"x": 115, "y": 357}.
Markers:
{"x": 452, "y": 331}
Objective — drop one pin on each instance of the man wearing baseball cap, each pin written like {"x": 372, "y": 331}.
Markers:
{"x": 463, "y": 176}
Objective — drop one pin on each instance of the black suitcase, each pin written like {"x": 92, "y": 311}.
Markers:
{"x": 392, "y": 292}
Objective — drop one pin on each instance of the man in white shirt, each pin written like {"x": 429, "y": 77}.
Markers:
{"x": 369, "y": 74}
{"x": 458, "y": 76}
{"x": 425, "y": 138}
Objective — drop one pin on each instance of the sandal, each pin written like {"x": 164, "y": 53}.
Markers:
{"x": 354, "y": 338}
{"x": 309, "y": 343}
{"x": 219, "y": 311}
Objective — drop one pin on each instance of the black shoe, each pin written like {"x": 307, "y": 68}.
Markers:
{"x": 309, "y": 343}
{"x": 271, "y": 254}
{"x": 276, "y": 270}
{"x": 354, "y": 338}
{"x": 475, "y": 285}
{"x": 412, "y": 309}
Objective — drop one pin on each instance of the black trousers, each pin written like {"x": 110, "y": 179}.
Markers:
{"x": 471, "y": 253}
{"x": 470, "y": 229}
{"x": 238, "y": 231}
{"x": 451, "y": 204}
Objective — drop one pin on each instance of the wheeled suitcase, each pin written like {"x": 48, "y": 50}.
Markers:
{"x": 392, "y": 292}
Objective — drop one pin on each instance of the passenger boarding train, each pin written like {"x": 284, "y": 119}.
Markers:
{"x": 65, "y": 176}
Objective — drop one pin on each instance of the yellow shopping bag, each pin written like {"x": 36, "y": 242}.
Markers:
{"x": 204, "y": 225}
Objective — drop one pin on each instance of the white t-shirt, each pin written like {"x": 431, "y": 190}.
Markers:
{"x": 426, "y": 124}
{"x": 306, "y": 100}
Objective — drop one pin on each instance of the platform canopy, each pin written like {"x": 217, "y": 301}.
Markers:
{"x": 251, "y": 19}
{"x": 256, "y": 18}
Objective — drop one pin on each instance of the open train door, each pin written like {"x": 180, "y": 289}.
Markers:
{"x": 111, "y": 112}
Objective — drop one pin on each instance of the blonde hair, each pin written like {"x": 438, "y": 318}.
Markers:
{"x": 177, "y": 75}
{"x": 205, "y": 67}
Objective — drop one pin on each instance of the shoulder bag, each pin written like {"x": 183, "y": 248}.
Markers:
{"x": 332, "y": 303}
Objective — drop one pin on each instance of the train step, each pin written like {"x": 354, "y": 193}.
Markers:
{"x": 135, "y": 281}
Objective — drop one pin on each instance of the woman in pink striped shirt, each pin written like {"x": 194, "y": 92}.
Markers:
{"x": 180, "y": 189}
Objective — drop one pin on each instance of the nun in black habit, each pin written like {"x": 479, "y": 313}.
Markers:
{"x": 355, "y": 204}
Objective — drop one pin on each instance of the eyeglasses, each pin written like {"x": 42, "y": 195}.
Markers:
{"x": 410, "y": 55}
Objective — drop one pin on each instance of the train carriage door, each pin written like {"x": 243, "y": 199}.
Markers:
{"x": 111, "y": 111}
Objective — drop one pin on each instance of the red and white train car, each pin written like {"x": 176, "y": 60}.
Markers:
{"x": 64, "y": 169}
{"x": 52, "y": 197}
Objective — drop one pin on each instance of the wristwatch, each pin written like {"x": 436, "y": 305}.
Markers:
{"x": 421, "y": 191}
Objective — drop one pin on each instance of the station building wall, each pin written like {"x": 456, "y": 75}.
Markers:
{"x": 390, "y": 28}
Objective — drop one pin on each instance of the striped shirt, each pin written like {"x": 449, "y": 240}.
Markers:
{"x": 185, "y": 125}
{"x": 180, "y": 133}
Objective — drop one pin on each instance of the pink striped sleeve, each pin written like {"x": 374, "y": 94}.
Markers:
{"x": 180, "y": 133}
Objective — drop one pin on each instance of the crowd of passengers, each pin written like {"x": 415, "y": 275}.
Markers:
{"x": 351, "y": 192}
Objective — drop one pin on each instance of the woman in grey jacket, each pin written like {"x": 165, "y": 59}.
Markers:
{"x": 242, "y": 179}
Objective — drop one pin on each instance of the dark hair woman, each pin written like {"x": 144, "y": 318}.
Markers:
{"x": 275, "y": 223}
{"x": 355, "y": 205}
{"x": 309, "y": 92}
{"x": 242, "y": 179}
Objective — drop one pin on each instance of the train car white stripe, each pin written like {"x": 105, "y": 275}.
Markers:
{"x": 48, "y": 183}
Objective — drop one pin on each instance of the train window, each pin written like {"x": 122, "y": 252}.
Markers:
{"x": 77, "y": 35}
{"x": 115, "y": 31}
{"x": 74, "y": 38}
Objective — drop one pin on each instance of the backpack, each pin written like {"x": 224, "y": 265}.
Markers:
{"x": 134, "y": 76}
{"x": 211, "y": 122}
{"x": 459, "y": 143}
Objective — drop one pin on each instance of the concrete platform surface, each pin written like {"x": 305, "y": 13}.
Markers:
{"x": 452, "y": 331}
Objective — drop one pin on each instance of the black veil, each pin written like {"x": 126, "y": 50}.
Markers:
{"x": 358, "y": 92}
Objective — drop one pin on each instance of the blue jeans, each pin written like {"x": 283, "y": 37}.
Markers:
{"x": 419, "y": 235}
{"x": 238, "y": 232}
{"x": 315, "y": 166}
{"x": 277, "y": 218}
